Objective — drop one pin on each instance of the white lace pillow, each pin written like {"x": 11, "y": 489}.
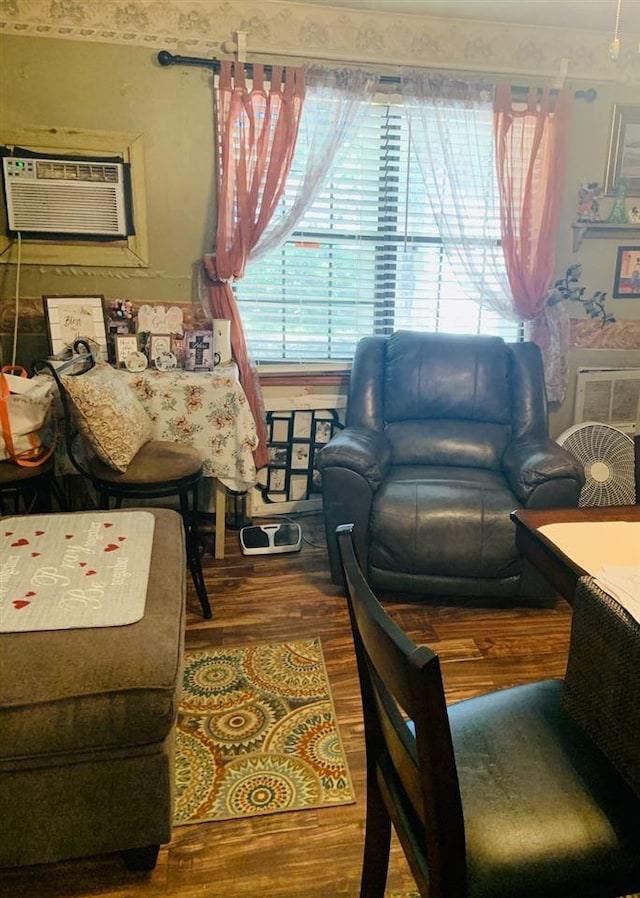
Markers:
{"x": 109, "y": 416}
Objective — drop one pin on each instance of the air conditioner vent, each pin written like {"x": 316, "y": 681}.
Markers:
{"x": 59, "y": 196}
{"x": 59, "y": 170}
{"x": 609, "y": 395}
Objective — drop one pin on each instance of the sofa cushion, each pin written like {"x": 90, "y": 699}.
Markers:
{"x": 109, "y": 415}
{"x": 66, "y": 691}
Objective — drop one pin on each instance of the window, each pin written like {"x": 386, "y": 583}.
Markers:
{"x": 366, "y": 258}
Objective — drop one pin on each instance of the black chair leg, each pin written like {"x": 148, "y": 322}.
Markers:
{"x": 190, "y": 519}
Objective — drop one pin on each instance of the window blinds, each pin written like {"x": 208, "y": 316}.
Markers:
{"x": 366, "y": 257}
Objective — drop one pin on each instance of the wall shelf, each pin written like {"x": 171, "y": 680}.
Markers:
{"x": 582, "y": 229}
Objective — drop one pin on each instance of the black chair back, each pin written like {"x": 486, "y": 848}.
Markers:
{"x": 408, "y": 745}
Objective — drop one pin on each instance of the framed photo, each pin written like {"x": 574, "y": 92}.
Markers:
{"x": 70, "y": 317}
{"x": 126, "y": 344}
{"x": 626, "y": 284}
{"x": 624, "y": 150}
{"x": 159, "y": 344}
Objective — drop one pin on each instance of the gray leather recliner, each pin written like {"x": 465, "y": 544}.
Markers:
{"x": 445, "y": 435}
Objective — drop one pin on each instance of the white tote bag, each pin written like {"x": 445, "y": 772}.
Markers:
{"x": 25, "y": 406}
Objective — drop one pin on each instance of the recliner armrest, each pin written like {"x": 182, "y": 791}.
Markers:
{"x": 531, "y": 464}
{"x": 367, "y": 452}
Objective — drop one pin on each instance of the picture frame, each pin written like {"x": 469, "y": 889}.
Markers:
{"x": 125, "y": 345}
{"x": 623, "y": 160}
{"x": 626, "y": 283}
{"x": 159, "y": 344}
{"x": 68, "y": 318}
{"x": 198, "y": 350}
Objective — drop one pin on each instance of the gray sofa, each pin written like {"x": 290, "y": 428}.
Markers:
{"x": 87, "y": 727}
{"x": 445, "y": 435}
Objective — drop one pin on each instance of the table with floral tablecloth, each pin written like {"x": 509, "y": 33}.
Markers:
{"x": 209, "y": 411}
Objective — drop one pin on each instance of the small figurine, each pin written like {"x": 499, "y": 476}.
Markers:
{"x": 618, "y": 214}
{"x": 589, "y": 201}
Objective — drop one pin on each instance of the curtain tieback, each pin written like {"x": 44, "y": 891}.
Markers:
{"x": 211, "y": 270}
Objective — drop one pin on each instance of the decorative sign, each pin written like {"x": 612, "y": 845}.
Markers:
{"x": 198, "y": 351}
{"x": 71, "y": 317}
{"x": 158, "y": 320}
{"x": 126, "y": 345}
{"x": 62, "y": 571}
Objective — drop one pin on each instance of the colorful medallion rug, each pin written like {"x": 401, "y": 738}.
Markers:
{"x": 257, "y": 734}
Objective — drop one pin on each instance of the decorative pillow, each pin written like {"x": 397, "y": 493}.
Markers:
{"x": 108, "y": 415}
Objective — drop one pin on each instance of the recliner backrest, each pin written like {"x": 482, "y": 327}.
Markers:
{"x": 445, "y": 399}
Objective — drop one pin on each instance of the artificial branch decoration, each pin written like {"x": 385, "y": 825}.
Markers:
{"x": 567, "y": 288}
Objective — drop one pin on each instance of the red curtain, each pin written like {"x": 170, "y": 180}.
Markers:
{"x": 531, "y": 151}
{"x": 257, "y": 129}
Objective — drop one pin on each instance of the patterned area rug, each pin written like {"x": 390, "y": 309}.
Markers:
{"x": 257, "y": 734}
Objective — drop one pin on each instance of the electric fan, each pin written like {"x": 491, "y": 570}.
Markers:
{"x": 607, "y": 457}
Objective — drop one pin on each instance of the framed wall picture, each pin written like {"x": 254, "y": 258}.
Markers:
{"x": 126, "y": 344}
{"x": 624, "y": 151}
{"x": 626, "y": 284}
{"x": 70, "y": 317}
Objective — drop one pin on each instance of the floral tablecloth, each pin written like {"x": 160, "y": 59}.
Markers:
{"x": 207, "y": 410}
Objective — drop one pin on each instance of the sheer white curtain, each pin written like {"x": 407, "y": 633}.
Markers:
{"x": 334, "y": 100}
{"x": 451, "y": 127}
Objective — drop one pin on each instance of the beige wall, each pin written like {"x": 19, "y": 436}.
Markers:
{"x": 104, "y": 87}
{"x": 94, "y": 84}
{"x": 587, "y": 158}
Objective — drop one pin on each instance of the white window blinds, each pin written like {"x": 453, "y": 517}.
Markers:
{"x": 366, "y": 257}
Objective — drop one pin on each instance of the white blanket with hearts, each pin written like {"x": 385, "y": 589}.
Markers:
{"x": 62, "y": 571}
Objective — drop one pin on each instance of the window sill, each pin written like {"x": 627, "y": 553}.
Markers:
{"x": 328, "y": 373}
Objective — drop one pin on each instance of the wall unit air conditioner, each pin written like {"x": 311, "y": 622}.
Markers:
{"x": 65, "y": 197}
{"x": 610, "y": 396}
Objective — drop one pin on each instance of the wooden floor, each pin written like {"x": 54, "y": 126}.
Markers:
{"x": 308, "y": 854}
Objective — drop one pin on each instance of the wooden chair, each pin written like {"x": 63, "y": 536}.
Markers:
{"x": 159, "y": 469}
{"x": 499, "y": 795}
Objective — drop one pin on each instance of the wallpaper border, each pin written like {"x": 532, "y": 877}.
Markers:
{"x": 273, "y": 27}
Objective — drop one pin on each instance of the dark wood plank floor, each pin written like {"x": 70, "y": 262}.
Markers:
{"x": 311, "y": 854}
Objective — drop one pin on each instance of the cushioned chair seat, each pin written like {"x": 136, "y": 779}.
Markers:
{"x": 500, "y": 781}
{"x": 154, "y": 462}
{"x": 422, "y": 514}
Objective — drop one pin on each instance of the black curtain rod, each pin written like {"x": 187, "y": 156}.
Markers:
{"x": 166, "y": 58}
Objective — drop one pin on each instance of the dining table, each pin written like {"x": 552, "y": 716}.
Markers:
{"x": 592, "y": 556}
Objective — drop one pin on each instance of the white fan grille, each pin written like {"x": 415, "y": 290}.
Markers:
{"x": 607, "y": 457}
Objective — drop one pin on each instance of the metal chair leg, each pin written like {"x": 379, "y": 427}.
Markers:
{"x": 190, "y": 519}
